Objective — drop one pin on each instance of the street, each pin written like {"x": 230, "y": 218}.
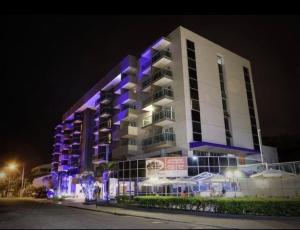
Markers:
{"x": 41, "y": 214}
{"x": 17, "y": 213}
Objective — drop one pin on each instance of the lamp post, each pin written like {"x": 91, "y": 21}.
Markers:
{"x": 13, "y": 166}
{"x": 233, "y": 175}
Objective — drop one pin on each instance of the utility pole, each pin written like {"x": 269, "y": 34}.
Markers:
{"x": 260, "y": 147}
{"x": 22, "y": 184}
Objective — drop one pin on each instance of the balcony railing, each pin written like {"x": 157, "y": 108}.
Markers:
{"x": 164, "y": 92}
{"x": 126, "y": 114}
{"x": 78, "y": 117}
{"x": 162, "y": 72}
{"x": 163, "y": 115}
{"x": 105, "y": 125}
{"x": 147, "y": 121}
{"x": 157, "y": 139}
{"x": 105, "y": 111}
{"x": 161, "y": 54}
{"x": 106, "y": 97}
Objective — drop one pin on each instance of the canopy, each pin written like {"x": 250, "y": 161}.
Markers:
{"x": 272, "y": 173}
{"x": 165, "y": 181}
{"x": 206, "y": 176}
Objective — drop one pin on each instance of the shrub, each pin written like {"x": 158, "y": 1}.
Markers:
{"x": 241, "y": 206}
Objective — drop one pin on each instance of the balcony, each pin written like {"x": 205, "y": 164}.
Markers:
{"x": 56, "y": 150}
{"x": 76, "y": 152}
{"x": 146, "y": 85}
{"x": 99, "y": 157}
{"x": 127, "y": 98}
{"x": 78, "y": 117}
{"x": 105, "y": 111}
{"x": 161, "y": 97}
{"x": 125, "y": 115}
{"x": 161, "y": 58}
{"x": 163, "y": 117}
{"x": 77, "y": 128}
{"x": 128, "y": 131}
{"x": 63, "y": 168}
{"x": 127, "y": 82}
{"x": 124, "y": 150}
{"x": 76, "y": 139}
{"x": 55, "y": 159}
{"x": 106, "y": 97}
{"x": 147, "y": 121}
{"x": 104, "y": 140}
{"x": 146, "y": 67}
{"x": 64, "y": 157}
{"x": 162, "y": 77}
{"x": 105, "y": 126}
{"x": 162, "y": 140}
{"x": 65, "y": 151}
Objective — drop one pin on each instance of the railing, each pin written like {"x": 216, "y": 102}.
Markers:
{"x": 162, "y": 137}
{"x": 160, "y": 54}
{"x": 105, "y": 110}
{"x": 163, "y": 114}
{"x": 105, "y": 124}
{"x": 162, "y": 72}
{"x": 162, "y": 93}
{"x": 146, "y": 82}
{"x": 147, "y": 121}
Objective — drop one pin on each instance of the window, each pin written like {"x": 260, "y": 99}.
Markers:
{"x": 190, "y": 44}
{"x": 195, "y": 105}
{"x": 141, "y": 163}
{"x": 192, "y": 171}
{"x": 193, "y": 83}
{"x": 203, "y": 161}
{"x": 195, "y": 115}
{"x": 192, "y": 63}
{"x": 194, "y": 94}
{"x": 196, "y": 127}
{"x": 193, "y": 73}
{"x": 197, "y": 137}
{"x": 191, "y": 54}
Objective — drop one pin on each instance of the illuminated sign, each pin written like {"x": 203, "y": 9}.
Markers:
{"x": 166, "y": 167}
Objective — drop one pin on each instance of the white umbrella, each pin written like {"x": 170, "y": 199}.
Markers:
{"x": 271, "y": 173}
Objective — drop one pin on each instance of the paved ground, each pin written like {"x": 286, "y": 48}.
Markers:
{"x": 16, "y": 213}
{"x": 26, "y": 213}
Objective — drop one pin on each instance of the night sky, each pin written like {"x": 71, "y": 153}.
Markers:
{"x": 49, "y": 61}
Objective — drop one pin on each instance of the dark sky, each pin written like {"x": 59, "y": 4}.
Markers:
{"x": 49, "y": 61}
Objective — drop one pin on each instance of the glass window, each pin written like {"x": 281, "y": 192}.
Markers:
{"x": 214, "y": 169}
{"x": 193, "y": 83}
{"x": 193, "y": 161}
{"x": 133, "y": 164}
{"x": 194, "y": 94}
{"x": 142, "y": 173}
{"x": 126, "y": 165}
{"x": 203, "y": 169}
{"x": 203, "y": 161}
{"x": 126, "y": 173}
{"x": 121, "y": 165}
{"x": 195, "y": 115}
{"x": 196, "y": 127}
{"x": 133, "y": 173}
{"x": 197, "y": 136}
{"x": 213, "y": 161}
{"x": 232, "y": 161}
{"x": 192, "y": 73}
{"x": 223, "y": 161}
{"x": 190, "y": 44}
{"x": 141, "y": 164}
{"x": 193, "y": 171}
{"x": 120, "y": 174}
{"x": 191, "y": 54}
{"x": 192, "y": 63}
{"x": 195, "y": 105}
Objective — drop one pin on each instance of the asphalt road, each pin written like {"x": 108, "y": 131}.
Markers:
{"x": 29, "y": 214}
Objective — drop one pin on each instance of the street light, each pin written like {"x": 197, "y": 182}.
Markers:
{"x": 13, "y": 166}
{"x": 2, "y": 175}
{"x": 233, "y": 175}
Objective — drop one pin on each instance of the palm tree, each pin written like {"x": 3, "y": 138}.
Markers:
{"x": 106, "y": 169}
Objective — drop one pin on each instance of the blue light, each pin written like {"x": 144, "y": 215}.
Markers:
{"x": 88, "y": 186}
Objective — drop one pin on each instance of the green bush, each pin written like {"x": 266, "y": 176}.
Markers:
{"x": 241, "y": 206}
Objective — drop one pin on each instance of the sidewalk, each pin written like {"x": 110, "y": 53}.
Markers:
{"x": 210, "y": 220}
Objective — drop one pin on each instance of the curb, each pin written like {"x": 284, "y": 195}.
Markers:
{"x": 140, "y": 216}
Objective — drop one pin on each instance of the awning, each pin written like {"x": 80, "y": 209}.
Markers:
{"x": 272, "y": 173}
{"x": 212, "y": 147}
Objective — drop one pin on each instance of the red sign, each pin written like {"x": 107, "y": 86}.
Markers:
{"x": 166, "y": 167}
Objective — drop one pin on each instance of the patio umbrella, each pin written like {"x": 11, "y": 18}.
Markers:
{"x": 272, "y": 173}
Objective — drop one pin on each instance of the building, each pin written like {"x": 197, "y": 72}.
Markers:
{"x": 184, "y": 96}
{"x": 41, "y": 175}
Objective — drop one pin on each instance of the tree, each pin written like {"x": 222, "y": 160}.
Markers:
{"x": 87, "y": 181}
{"x": 106, "y": 169}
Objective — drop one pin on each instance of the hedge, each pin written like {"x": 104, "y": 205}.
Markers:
{"x": 241, "y": 206}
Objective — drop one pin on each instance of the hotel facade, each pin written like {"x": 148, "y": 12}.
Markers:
{"x": 185, "y": 96}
